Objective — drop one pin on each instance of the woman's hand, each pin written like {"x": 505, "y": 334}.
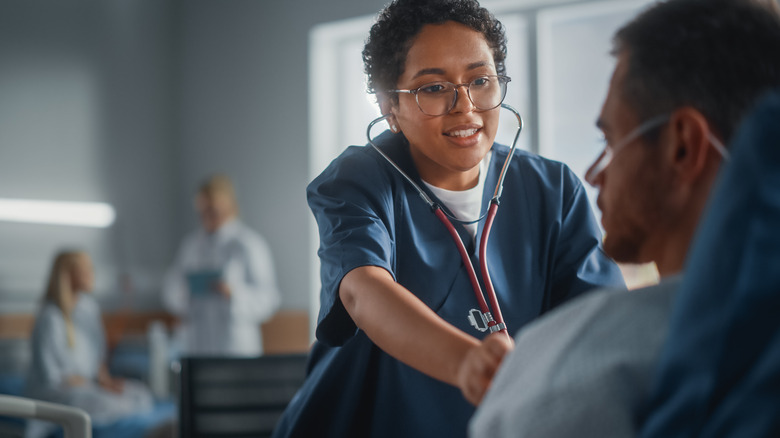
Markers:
{"x": 75, "y": 380}
{"x": 480, "y": 365}
{"x": 407, "y": 329}
{"x": 109, "y": 383}
{"x": 223, "y": 289}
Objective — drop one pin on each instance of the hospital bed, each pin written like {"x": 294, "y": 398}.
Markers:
{"x": 75, "y": 422}
{"x": 15, "y": 358}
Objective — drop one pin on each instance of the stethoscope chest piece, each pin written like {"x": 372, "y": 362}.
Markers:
{"x": 478, "y": 320}
{"x": 483, "y": 321}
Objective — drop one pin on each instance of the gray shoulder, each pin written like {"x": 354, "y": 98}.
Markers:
{"x": 598, "y": 312}
{"x": 584, "y": 368}
{"x": 596, "y": 332}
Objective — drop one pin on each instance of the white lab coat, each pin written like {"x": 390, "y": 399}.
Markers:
{"x": 53, "y": 360}
{"x": 211, "y": 323}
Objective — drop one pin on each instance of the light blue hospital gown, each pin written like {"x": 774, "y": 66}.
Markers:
{"x": 543, "y": 250}
{"x": 53, "y": 361}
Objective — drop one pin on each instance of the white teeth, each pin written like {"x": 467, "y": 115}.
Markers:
{"x": 463, "y": 133}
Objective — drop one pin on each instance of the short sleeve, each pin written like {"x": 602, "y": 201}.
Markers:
{"x": 353, "y": 205}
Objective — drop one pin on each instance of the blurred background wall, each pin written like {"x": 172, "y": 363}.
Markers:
{"x": 133, "y": 102}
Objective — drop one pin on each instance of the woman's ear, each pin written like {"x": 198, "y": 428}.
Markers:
{"x": 386, "y": 106}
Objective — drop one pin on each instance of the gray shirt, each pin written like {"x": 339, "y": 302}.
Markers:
{"x": 54, "y": 360}
{"x": 583, "y": 370}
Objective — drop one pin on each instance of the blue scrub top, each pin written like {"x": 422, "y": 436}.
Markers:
{"x": 543, "y": 250}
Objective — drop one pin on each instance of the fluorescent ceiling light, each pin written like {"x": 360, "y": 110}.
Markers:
{"x": 85, "y": 214}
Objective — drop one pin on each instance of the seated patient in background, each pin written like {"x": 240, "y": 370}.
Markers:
{"x": 69, "y": 348}
{"x": 687, "y": 71}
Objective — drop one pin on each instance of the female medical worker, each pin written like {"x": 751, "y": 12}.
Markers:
{"x": 222, "y": 283}
{"x": 395, "y": 348}
{"x": 69, "y": 349}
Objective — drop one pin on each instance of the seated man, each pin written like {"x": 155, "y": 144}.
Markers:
{"x": 720, "y": 369}
{"x": 687, "y": 71}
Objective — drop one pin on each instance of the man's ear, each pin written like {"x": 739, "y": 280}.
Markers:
{"x": 690, "y": 142}
{"x": 386, "y": 106}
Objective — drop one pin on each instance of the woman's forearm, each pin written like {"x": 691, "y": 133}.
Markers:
{"x": 403, "y": 326}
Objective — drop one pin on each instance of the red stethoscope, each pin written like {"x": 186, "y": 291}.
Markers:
{"x": 486, "y": 319}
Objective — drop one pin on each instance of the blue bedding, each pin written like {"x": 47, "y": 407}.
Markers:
{"x": 137, "y": 425}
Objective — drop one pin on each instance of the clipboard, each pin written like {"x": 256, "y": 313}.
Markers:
{"x": 203, "y": 283}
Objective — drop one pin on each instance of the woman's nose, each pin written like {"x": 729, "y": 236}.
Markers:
{"x": 463, "y": 103}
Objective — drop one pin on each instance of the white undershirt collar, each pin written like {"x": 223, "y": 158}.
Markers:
{"x": 465, "y": 205}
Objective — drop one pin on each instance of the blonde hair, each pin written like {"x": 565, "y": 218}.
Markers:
{"x": 219, "y": 185}
{"x": 59, "y": 290}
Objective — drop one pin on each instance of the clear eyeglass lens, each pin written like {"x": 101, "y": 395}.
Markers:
{"x": 438, "y": 98}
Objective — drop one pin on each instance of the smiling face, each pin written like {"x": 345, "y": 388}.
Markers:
{"x": 446, "y": 149}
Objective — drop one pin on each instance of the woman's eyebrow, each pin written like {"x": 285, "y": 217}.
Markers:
{"x": 475, "y": 65}
{"x": 440, "y": 71}
{"x": 428, "y": 71}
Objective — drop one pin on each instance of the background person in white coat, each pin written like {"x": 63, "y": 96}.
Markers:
{"x": 222, "y": 283}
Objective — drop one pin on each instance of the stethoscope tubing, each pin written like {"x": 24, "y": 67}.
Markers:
{"x": 494, "y": 319}
{"x": 483, "y": 305}
{"x": 491, "y": 293}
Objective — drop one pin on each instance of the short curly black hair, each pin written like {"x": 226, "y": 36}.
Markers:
{"x": 388, "y": 43}
{"x": 717, "y": 56}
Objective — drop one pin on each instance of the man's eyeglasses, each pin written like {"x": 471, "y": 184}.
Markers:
{"x": 439, "y": 98}
{"x": 609, "y": 152}
{"x": 605, "y": 158}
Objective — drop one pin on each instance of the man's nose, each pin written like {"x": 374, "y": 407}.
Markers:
{"x": 594, "y": 174}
